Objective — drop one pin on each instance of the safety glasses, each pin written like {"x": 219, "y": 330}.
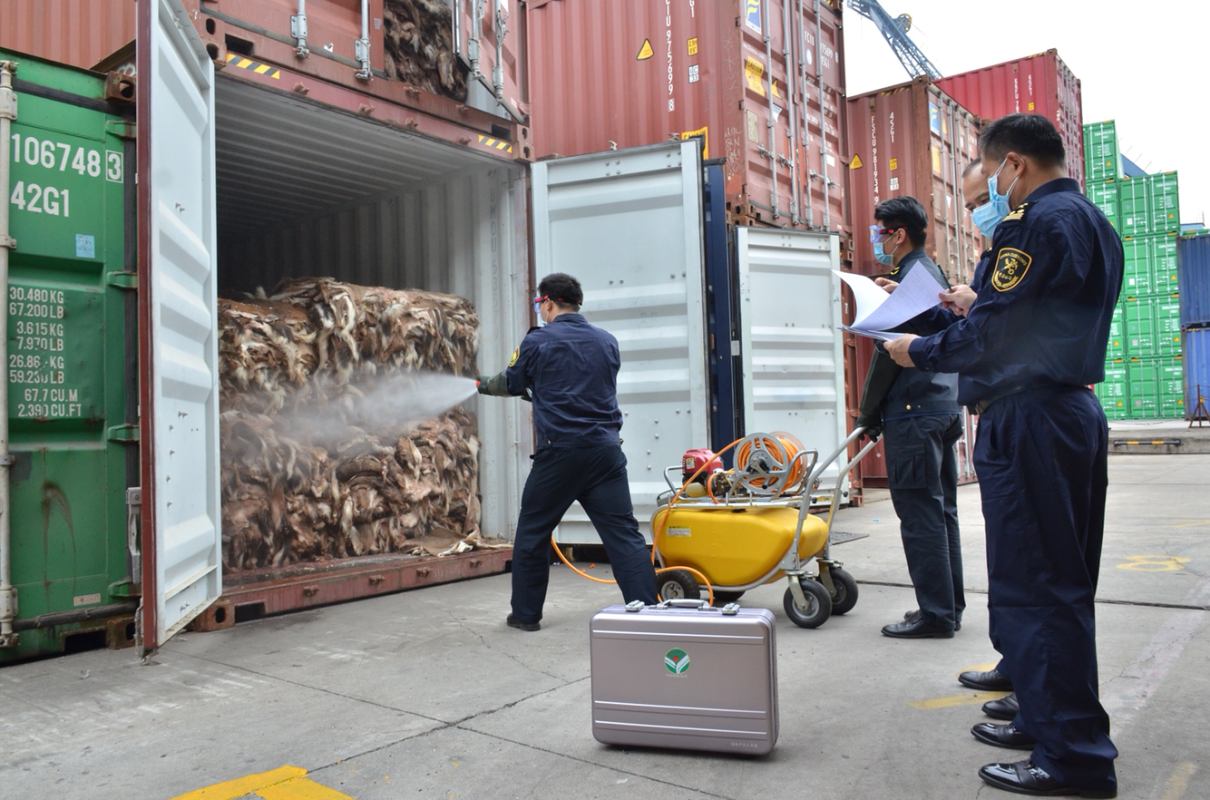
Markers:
{"x": 538, "y": 301}
{"x": 877, "y": 233}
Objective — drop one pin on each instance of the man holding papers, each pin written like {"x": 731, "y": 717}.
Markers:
{"x": 919, "y": 414}
{"x": 1031, "y": 342}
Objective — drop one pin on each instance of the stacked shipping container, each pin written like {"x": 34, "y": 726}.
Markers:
{"x": 1039, "y": 84}
{"x": 1144, "y": 364}
{"x": 764, "y": 89}
{"x": 911, "y": 140}
{"x": 1193, "y": 257}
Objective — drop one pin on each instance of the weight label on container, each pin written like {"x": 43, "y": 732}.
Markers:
{"x": 85, "y": 600}
{"x": 55, "y": 364}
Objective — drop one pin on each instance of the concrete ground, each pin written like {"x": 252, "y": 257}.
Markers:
{"x": 428, "y": 694}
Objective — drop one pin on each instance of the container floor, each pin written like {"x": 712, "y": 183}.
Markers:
{"x": 428, "y": 694}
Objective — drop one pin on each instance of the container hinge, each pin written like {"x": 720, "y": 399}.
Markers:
{"x": 8, "y": 241}
{"x": 361, "y": 51}
{"x": 124, "y": 434}
{"x": 7, "y": 460}
{"x": 134, "y": 507}
{"x": 128, "y": 588}
{"x": 123, "y": 280}
{"x": 298, "y": 29}
{"x": 8, "y": 611}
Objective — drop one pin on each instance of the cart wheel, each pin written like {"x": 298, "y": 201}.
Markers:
{"x": 818, "y": 609}
{"x": 846, "y": 591}
{"x": 723, "y": 598}
{"x": 677, "y": 584}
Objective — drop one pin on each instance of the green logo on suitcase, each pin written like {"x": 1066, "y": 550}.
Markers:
{"x": 677, "y": 661}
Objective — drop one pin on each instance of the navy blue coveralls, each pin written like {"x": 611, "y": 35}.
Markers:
{"x": 1025, "y": 353}
{"x": 921, "y": 422}
{"x": 571, "y": 369}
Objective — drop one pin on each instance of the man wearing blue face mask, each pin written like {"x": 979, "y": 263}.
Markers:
{"x": 570, "y": 368}
{"x": 919, "y": 415}
{"x": 1031, "y": 341}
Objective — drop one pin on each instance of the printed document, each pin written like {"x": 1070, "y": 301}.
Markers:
{"x": 878, "y": 311}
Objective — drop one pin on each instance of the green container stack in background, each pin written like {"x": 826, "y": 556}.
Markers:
{"x": 1143, "y": 369}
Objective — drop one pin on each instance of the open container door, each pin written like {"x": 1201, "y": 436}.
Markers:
{"x": 628, "y": 225}
{"x": 793, "y": 360}
{"x": 178, "y": 347}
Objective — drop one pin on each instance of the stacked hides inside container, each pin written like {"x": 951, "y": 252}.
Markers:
{"x": 419, "y": 48}
{"x": 307, "y": 473}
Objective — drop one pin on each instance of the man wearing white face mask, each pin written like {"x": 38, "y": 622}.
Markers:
{"x": 1032, "y": 340}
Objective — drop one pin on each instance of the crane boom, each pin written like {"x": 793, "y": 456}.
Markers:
{"x": 895, "y": 31}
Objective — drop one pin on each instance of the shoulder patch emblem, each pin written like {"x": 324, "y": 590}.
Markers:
{"x": 512, "y": 362}
{"x": 895, "y": 271}
{"x": 1017, "y": 213}
{"x": 1011, "y": 266}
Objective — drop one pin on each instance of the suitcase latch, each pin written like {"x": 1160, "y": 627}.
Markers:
{"x": 635, "y": 605}
{"x": 731, "y": 609}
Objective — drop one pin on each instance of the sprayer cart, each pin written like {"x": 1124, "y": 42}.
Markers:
{"x": 751, "y": 525}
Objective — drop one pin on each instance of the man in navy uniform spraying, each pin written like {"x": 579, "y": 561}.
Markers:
{"x": 1030, "y": 343}
{"x": 570, "y": 369}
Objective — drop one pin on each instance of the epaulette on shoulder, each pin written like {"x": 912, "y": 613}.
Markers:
{"x": 1018, "y": 213}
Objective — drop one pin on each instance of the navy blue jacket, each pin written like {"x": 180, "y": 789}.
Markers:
{"x": 1045, "y": 301}
{"x": 916, "y": 393}
{"x": 571, "y": 369}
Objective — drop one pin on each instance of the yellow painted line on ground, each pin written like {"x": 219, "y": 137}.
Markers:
{"x": 283, "y": 783}
{"x": 301, "y": 789}
{"x": 978, "y": 698}
{"x": 1193, "y": 524}
{"x": 1178, "y": 782}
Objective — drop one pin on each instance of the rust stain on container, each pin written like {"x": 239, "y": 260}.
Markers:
{"x": 1038, "y": 84}
{"x": 76, "y": 32}
{"x": 913, "y": 140}
{"x": 709, "y": 76}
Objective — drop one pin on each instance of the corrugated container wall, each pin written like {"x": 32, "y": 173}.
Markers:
{"x": 76, "y": 32}
{"x": 1193, "y": 265}
{"x": 1197, "y": 373}
{"x": 1038, "y": 84}
{"x": 629, "y": 73}
{"x": 913, "y": 140}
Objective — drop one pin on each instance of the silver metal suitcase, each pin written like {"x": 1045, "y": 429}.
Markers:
{"x": 684, "y": 675}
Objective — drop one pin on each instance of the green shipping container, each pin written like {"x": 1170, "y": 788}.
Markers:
{"x": 1116, "y": 347}
{"x": 1150, "y": 265}
{"x": 1156, "y": 388}
{"x": 70, "y": 310}
{"x": 1105, "y": 196}
{"x": 1172, "y": 388}
{"x": 1102, "y": 158}
{"x": 1140, "y": 328}
{"x": 1113, "y": 393}
{"x": 1149, "y": 205}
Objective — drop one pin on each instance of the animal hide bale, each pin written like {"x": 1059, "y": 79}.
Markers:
{"x": 418, "y": 37}
{"x": 294, "y": 490}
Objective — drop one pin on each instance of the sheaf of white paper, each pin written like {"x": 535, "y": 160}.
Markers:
{"x": 878, "y": 311}
{"x": 886, "y": 336}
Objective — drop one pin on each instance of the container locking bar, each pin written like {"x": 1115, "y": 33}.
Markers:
{"x": 134, "y": 505}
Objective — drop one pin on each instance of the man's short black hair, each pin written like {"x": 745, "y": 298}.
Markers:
{"x": 563, "y": 289}
{"x": 971, "y": 167}
{"x": 1031, "y": 135}
{"x": 904, "y": 212}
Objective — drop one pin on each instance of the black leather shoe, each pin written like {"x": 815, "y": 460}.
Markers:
{"x": 1005, "y": 708}
{"x": 513, "y": 622}
{"x": 917, "y": 628}
{"x": 990, "y": 681}
{"x": 916, "y": 613}
{"x": 1003, "y": 736}
{"x": 1026, "y": 777}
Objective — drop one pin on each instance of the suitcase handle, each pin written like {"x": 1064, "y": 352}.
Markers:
{"x": 684, "y": 602}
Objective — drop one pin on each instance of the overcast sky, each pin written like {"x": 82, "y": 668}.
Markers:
{"x": 1143, "y": 65}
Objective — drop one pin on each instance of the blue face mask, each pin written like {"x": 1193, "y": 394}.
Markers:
{"x": 883, "y": 258}
{"x": 988, "y": 216}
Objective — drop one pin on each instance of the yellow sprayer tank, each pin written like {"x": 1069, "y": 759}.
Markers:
{"x": 734, "y": 546}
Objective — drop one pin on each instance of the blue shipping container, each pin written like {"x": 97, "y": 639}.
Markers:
{"x": 1193, "y": 267}
{"x": 1197, "y": 369}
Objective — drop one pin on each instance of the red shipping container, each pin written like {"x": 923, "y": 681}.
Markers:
{"x": 1039, "y": 84}
{"x": 625, "y": 73}
{"x": 913, "y": 140}
{"x": 76, "y": 32}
